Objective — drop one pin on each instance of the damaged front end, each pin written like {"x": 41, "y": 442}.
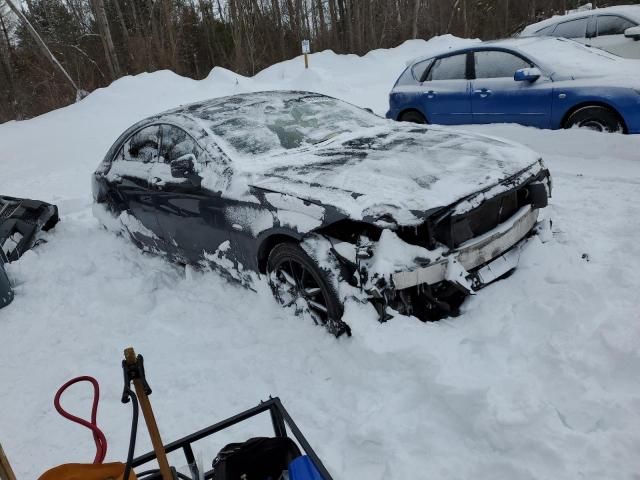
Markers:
{"x": 427, "y": 270}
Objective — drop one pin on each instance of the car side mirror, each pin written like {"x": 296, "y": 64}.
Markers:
{"x": 527, "y": 75}
{"x": 183, "y": 167}
{"x": 633, "y": 32}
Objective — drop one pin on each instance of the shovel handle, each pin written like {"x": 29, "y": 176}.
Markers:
{"x": 150, "y": 419}
{"x": 6, "y": 473}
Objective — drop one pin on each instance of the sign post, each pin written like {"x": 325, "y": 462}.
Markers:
{"x": 306, "y": 49}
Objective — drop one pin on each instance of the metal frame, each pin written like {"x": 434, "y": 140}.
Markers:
{"x": 280, "y": 419}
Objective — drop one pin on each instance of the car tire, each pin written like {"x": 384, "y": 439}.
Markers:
{"x": 600, "y": 119}
{"x": 413, "y": 117}
{"x": 297, "y": 280}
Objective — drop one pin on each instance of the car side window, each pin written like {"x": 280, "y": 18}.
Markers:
{"x": 572, "y": 29}
{"x": 449, "y": 68}
{"x": 176, "y": 144}
{"x": 497, "y": 64}
{"x": 143, "y": 146}
{"x": 613, "y": 25}
{"x": 546, "y": 31}
{"x": 420, "y": 68}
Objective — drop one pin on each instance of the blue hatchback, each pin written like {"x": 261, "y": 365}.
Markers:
{"x": 540, "y": 82}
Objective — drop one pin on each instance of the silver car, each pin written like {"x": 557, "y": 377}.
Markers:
{"x": 614, "y": 29}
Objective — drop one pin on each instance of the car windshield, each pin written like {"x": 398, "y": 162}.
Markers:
{"x": 269, "y": 122}
{"x": 566, "y": 57}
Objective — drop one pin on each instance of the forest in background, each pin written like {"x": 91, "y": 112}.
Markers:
{"x": 98, "y": 41}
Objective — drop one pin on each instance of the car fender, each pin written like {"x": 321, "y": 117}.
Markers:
{"x": 624, "y": 101}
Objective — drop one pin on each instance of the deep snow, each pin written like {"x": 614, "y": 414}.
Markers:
{"x": 537, "y": 378}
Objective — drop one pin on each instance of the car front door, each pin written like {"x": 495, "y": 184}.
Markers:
{"x": 610, "y": 36}
{"x": 445, "y": 97}
{"x": 129, "y": 175}
{"x": 192, "y": 218}
{"x": 497, "y": 98}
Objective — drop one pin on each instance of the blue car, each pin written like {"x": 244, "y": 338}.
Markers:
{"x": 541, "y": 82}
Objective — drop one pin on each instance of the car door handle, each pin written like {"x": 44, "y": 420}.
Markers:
{"x": 484, "y": 93}
{"x": 430, "y": 94}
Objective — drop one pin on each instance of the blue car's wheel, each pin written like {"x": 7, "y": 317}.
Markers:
{"x": 413, "y": 117}
{"x": 599, "y": 119}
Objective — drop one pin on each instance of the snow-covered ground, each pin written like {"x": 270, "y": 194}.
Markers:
{"x": 537, "y": 379}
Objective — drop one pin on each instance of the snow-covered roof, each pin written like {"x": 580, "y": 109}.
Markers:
{"x": 630, "y": 11}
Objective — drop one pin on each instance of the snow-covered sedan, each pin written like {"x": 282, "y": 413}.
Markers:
{"x": 326, "y": 200}
{"x": 538, "y": 81}
{"x": 614, "y": 29}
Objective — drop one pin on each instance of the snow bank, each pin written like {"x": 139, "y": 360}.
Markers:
{"x": 537, "y": 379}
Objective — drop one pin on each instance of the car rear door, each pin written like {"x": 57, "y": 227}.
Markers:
{"x": 192, "y": 218}
{"x": 610, "y": 36}
{"x": 497, "y": 98}
{"x": 575, "y": 29}
{"x": 445, "y": 96}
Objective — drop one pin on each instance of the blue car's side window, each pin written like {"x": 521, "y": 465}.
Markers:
{"x": 449, "y": 68}
{"x": 498, "y": 64}
{"x": 420, "y": 68}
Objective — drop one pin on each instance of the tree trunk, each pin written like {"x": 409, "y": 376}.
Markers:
{"x": 278, "y": 14}
{"x": 464, "y": 18}
{"x": 168, "y": 27}
{"x": 107, "y": 40}
{"x": 295, "y": 26}
{"x": 416, "y": 13}
{"x": 334, "y": 22}
{"x": 6, "y": 61}
{"x": 43, "y": 46}
{"x": 321, "y": 24}
{"x": 123, "y": 27}
{"x": 207, "y": 16}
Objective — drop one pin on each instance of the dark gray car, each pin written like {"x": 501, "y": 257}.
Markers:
{"x": 324, "y": 199}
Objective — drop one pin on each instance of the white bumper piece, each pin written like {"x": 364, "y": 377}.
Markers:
{"x": 487, "y": 250}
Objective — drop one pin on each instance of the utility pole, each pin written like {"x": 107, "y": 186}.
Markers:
{"x": 43, "y": 46}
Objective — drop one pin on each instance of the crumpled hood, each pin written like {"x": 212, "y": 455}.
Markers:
{"x": 400, "y": 170}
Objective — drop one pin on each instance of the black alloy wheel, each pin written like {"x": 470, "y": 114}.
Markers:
{"x": 596, "y": 118}
{"x": 297, "y": 281}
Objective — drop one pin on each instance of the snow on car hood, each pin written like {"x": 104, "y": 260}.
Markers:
{"x": 399, "y": 170}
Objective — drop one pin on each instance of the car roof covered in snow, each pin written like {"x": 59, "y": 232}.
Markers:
{"x": 630, "y": 11}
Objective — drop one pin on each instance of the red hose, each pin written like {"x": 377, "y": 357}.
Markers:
{"x": 98, "y": 437}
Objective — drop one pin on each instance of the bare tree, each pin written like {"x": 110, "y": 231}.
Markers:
{"x": 107, "y": 40}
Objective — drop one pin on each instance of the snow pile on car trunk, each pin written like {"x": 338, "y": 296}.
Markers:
{"x": 536, "y": 379}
